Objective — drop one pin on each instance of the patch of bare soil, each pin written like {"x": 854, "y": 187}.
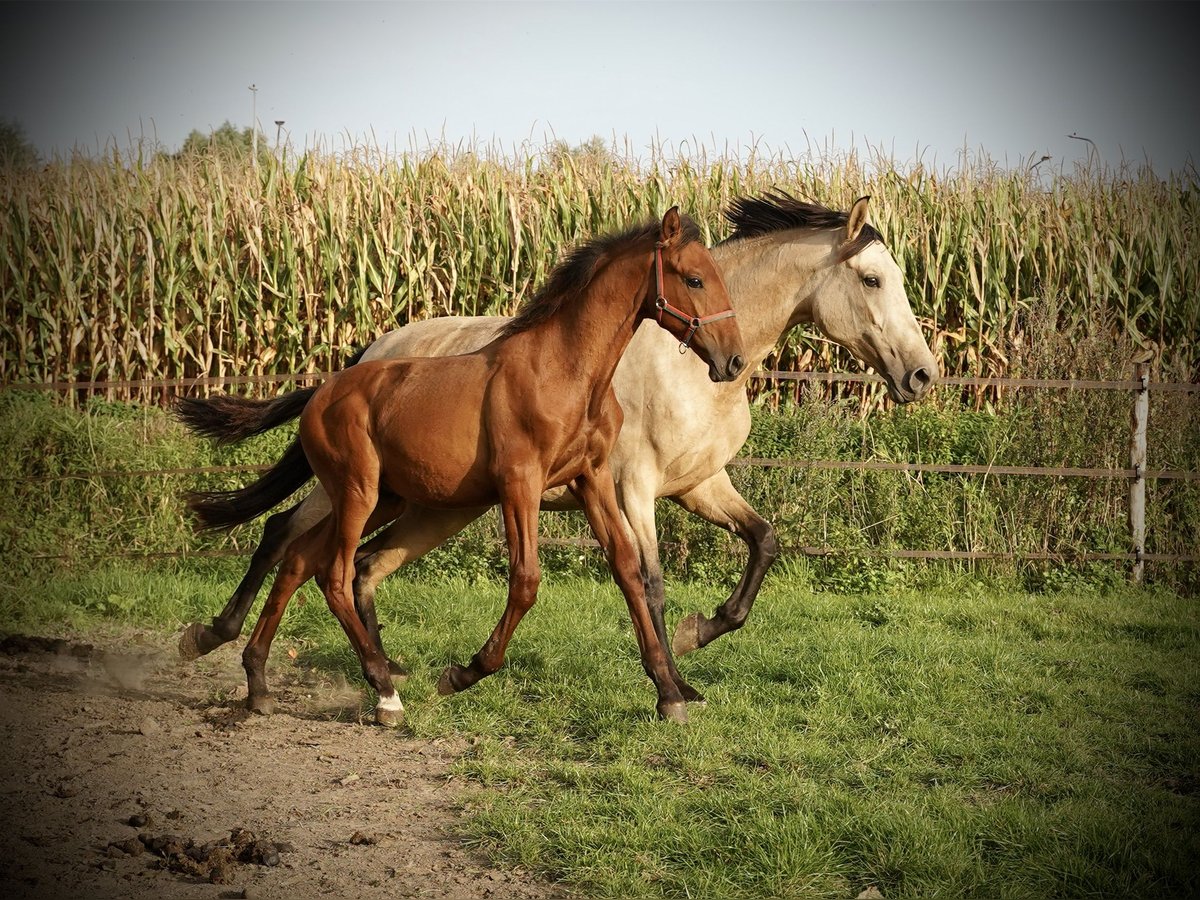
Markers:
{"x": 125, "y": 774}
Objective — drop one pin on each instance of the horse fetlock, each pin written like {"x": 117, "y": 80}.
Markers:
{"x": 690, "y": 694}
{"x": 397, "y": 671}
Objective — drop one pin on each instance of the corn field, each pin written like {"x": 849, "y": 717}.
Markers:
{"x": 157, "y": 267}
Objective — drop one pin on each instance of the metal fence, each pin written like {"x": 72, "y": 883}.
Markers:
{"x": 1139, "y": 387}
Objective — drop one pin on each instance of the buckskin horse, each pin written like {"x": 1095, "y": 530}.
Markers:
{"x": 787, "y": 263}
{"x": 533, "y": 409}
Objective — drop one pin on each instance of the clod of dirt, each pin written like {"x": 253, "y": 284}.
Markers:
{"x": 128, "y": 847}
{"x": 215, "y": 861}
{"x": 360, "y": 839}
{"x": 138, "y": 821}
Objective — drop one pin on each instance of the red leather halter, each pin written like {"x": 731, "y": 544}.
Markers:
{"x": 663, "y": 306}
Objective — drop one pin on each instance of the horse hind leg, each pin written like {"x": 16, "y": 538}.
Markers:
{"x": 417, "y": 531}
{"x": 279, "y": 531}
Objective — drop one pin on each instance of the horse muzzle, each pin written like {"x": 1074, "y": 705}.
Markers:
{"x": 733, "y": 367}
{"x": 913, "y": 386}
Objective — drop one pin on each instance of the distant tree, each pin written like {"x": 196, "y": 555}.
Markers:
{"x": 227, "y": 140}
{"x": 593, "y": 152}
{"x": 15, "y": 149}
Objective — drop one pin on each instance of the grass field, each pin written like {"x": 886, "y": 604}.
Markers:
{"x": 969, "y": 740}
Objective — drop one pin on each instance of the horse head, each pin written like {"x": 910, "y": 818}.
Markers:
{"x": 690, "y": 300}
{"x": 859, "y": 301}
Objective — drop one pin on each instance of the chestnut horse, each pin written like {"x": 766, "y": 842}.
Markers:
{"x": 532, "y": 410}
{"x": 787, "y": 263}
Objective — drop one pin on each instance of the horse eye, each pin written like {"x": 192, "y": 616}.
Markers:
{"x": 694, "y": 283}
{"x": 871, "y": 281}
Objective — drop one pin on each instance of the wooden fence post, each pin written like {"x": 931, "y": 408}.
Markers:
{"x": 1137, "y": 461}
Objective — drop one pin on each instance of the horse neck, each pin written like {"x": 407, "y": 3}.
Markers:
{"x": 583, "y": 342}
{"x": 762, "y": 275}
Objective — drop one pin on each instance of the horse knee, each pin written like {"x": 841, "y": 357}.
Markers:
{"x": 523, "y": 586}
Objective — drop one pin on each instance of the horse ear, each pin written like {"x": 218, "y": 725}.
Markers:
{"x": 858, "y": 218}
{"x": 671, "y": 226}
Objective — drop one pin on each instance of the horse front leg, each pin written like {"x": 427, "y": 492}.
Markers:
{"x": 637, "y": 508}
{"x": 717, "y": 500}
{"x": 519, "y": 506}
{"x": 597, "y": 494}
{"x": 358, "y": 511}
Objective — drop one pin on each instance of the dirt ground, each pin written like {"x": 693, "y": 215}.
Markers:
{"x": 99, "y": 733}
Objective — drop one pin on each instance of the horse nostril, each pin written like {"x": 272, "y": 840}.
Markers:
{"x": 920, "y": 379}
{"x": 736, "y": 365}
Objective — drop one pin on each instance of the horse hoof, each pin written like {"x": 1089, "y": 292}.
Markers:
{"x": 389, "y": 718}
{"x": 264, "y": 706}
{"x": 445, "y": 687}
{"x": 687, "y": 636}
{"x": 674, "y": 712}
{"x": 197, "y": 640}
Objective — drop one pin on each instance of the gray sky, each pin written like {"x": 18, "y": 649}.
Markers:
{"x": 914, "y": 79}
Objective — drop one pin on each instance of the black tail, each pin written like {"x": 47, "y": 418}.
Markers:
{"x": 223, "y": 509}
{"x": 230, "y": 419}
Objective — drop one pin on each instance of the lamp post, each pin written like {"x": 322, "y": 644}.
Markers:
{"x": 254, "y": 126}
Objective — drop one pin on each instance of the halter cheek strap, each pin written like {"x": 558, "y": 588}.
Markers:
{"x": 661, "y": 304}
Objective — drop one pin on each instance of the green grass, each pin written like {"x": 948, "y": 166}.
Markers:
{"x": 967, "y": 740}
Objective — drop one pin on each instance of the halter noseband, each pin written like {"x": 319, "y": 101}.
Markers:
{"x": 663, "y": 306}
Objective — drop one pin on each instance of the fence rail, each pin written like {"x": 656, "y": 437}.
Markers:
{"x": 67, "y": 387}
{"x": 1137, "y": 473}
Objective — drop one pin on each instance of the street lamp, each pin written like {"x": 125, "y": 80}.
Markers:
{"x": 254, "y": 126}
{"x": 278, "y": 131}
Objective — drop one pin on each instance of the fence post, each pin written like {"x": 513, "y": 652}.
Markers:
{"x": 1137, "y": 461}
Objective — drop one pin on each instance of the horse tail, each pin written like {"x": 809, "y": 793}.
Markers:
{"x": 218, "y": 510}
{"x": 228, "y": 420}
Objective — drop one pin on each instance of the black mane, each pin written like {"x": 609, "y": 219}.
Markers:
{"x": 779, "y": 211}
{"x": 572, "y": 276}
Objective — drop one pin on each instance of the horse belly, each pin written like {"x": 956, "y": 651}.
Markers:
{"x": 432, "y": 449}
